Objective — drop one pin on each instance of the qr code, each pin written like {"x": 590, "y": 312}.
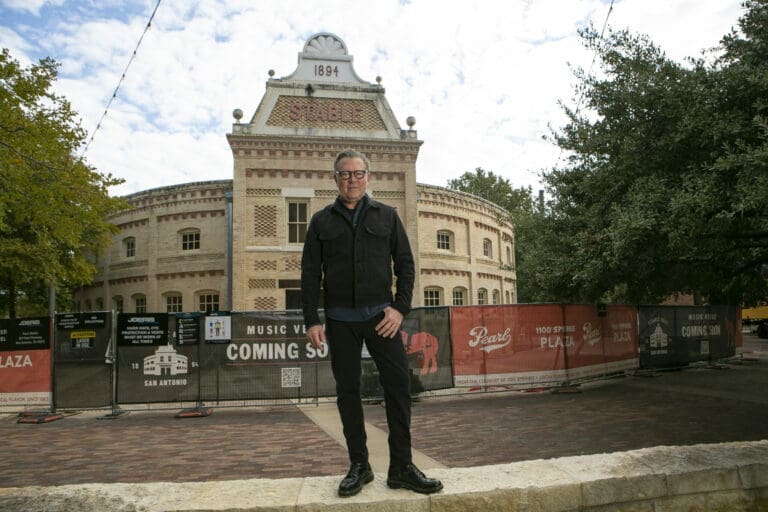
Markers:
{"x": 291, "y": 377}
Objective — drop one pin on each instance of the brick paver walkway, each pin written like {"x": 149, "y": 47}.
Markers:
{"x": 671, "y": 408}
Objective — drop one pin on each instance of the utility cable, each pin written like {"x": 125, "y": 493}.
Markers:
{"x": 119, "y": 82}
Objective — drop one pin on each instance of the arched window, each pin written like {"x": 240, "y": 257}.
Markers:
{"x": 117, "y": 303}
{"x": 208, "y": 301}
{"x": 173, "y": 302}
{"x": 496, "y": 297}
{"x": 433, "y": 296}
{"x": 459, "y": 296}
{"x": 487, "y": 248}
{"x": 139, "y": 303}
{"x": 509, "y": 256}
{"x": 129, "y": 247}
{"x": 482, "y": 296}
{"x": 445, "y": 240}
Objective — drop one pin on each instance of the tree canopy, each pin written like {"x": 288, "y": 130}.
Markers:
{"x": 665, "y": 186}
{"x": 53, "y": 205}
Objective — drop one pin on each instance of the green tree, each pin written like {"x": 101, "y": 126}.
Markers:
{"x": 53, "y": 206}
{"x": 665, "y": 186}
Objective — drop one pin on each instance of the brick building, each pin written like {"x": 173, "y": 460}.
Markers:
{"x": 236, "y": 244}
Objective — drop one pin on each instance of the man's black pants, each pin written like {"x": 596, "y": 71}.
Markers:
{"x": 345, "y": 340}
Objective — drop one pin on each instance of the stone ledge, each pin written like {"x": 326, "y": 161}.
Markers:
{"x": 727, "y": 476}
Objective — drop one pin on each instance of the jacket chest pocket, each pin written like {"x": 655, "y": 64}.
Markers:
{"x": 334, "y": 243}
{"x": 376, "y": 242}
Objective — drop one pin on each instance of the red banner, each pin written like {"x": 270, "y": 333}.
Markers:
{"x": 601, "y": 344}
{"x": 25, "y": 377}
{"x": 529, "y": 345}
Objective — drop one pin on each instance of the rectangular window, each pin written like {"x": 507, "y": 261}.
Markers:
{"x": 173, "y": 304}
{"x": 297, "y": 222}
{"x": 432, "y": 297}
{"x": 444, "y": 241}
{"x": 209, "y": 302}
{"x": 141, "y": 304}
{"x": 190, "y": 241}
{"x": 292, "y": 299}
{"x": 458, "y": 297}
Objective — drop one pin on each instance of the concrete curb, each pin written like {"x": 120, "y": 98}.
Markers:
{"x": 727, "y": 476}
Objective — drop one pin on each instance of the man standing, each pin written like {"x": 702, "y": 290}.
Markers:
{"x": 350, "y": 247}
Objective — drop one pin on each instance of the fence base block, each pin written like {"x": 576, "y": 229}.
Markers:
{"x": 116, "y": 413}
{"x": 566, "y": 389}
{"x": 38, "y": 417}
{"x": 195, "y": 412}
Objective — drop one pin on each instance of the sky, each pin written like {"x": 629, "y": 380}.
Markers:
{"x": 483, "y": 78}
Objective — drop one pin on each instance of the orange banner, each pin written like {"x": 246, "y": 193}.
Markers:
{"x": 25, "y": 377}
{"x": 531, "y": 345}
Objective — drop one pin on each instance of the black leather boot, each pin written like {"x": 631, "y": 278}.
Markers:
{"x": 409, "y": 477}
{"x": 360, "y": 473}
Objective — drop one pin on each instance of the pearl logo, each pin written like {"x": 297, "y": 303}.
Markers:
{"x": 489, "y": 343}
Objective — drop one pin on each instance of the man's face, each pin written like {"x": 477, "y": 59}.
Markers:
{"x": 352, "y": 189}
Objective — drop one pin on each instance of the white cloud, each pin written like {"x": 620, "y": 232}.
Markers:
{"x": 30, "y": 6}
{"x": 482, "y": 78}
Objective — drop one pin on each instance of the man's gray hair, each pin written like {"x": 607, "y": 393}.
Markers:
{"x": 351, "y": 153}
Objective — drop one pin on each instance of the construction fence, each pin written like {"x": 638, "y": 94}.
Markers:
{"x": 106, "y": 359}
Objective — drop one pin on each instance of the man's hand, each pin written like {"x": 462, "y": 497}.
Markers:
{"x": 390, "y": 324}
{"x": 316, "y": 335}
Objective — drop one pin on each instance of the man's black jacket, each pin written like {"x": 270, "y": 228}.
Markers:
{"x": 355, "y": 264}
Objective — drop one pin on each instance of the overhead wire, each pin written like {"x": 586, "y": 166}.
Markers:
{"x": 120, "y": 81}
{"x": 589, "y": 72}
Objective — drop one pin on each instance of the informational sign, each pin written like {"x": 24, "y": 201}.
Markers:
{"x": 187, "y": 328}
{"x": 157, "y": 373}
{"x": 25, "y": 334}
{"x": 218, "y": 327}
{"x": 680, "y": 335}
{"x": 25, "y": 361}
{"x": 142, "y": 329}
{"x": 80, "y": 331}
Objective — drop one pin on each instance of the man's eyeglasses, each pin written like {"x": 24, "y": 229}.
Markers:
{"x": 345, "y": 175}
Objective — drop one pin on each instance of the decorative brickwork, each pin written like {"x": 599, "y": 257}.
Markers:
{"x": 292, "y": 264}
{"x": 486, "y": 227}
{"x": 444, "y": 217}
{"x": 133, "y": 224}
{"x": 264, "y": 303}
{"x": 262, "y": 283}
{"x": 265, "y": 265}
{"x": 270, "y": 192}
{"x": 444, "y": 272}
{"x": 483, "y": 275}
{"x": 190, "y": 215}
{"x": 303, "y": 112}
{"x": 388, "y": 194}
{"x": 264, "y": 221}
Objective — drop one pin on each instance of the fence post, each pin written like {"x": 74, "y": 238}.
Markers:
{"x": 111, "y": 357}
